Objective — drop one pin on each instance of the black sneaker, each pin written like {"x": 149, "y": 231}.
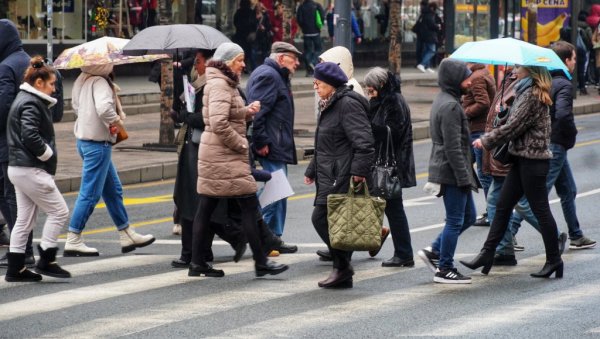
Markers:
{"x": 450, "y": 276}
{"x": 431, "y": 259}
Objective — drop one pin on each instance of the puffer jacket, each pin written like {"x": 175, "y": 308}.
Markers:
{"x": 477, "y": 101}
{"x": 450, "y": 159}
{"x": 564, "y": 131}
{"x": 344, "y": 145}
{"x": 223, "y": 169}
{"x": 527, "y": 127}
{"x": 30, "y": 132}
{"x": 13, "y": 63}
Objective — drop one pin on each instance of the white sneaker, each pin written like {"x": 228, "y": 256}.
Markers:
{"x": 421, "y": 68}
{"x": 176, "y": 229}
{"x": 74, "y": 247}
{"x": 130, "y": 240}
{"x": 430, "y": 70}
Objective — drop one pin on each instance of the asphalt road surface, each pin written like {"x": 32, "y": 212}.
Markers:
{"x": 140, "y": 295}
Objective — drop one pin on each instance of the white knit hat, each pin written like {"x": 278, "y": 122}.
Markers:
{"x": 227, "y": 51}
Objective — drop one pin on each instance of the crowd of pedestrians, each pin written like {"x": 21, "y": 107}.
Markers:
{"x": 229, "y": 129}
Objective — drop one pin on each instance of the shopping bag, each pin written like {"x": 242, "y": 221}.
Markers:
{"x": 355, "y": 220}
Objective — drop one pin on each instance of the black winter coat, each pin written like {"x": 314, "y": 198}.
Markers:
{"x": 13, "y": 63}
{"x": 306, "y": 17}
{"x": 344, "y": 144}
{"x": 29, "y": 130}
{"x": 564, "y": 131}
{"x": 428, "y": 29}
{"x": 391, "y": 110}
{"x": 274, "y": 123}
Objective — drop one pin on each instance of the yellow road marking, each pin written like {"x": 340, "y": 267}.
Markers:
{"x": 143, "y": 201}
{"x": 112, "y": 228}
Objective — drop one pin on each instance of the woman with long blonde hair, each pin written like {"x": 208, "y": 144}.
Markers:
{"x": 528, "y": 131}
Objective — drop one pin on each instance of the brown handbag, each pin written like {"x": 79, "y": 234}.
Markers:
{"x": 121, "y": 135}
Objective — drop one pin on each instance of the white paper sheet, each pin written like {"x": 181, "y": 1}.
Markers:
{"x": 189, "y": 94}
{"x": 275, "y": 189}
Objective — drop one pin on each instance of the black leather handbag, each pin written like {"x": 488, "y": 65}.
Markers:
{"x": 502, "y": 155}
{"x": 384, "y": 176}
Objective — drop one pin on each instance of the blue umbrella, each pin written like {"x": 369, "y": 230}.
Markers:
{"x": 509, "y": 51}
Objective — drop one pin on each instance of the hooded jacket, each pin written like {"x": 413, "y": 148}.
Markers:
{"x": 341, "y": 56}
{"x": 344, "y": 144}
{"x": 564, "y": 131}
{"x": 13, "y": 63}
{"x": 450, "y": 160}
{"x": 223, "y": 169}
{"x": 273, "y": 125}
{"x": 30, "y": 132}
{"x": 93, "y": 100}
{"x": 477, "y": 101}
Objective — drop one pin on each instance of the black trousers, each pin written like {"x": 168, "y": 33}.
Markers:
{"x": 8, "y": 204}
{"x": 228, "y": 233}
{"x": 202, "y": 231}
{"x": 341, "y": 259}
{"x": 527, "y": 176}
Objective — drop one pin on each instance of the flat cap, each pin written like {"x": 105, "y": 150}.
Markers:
{"x": 283, "y": 47}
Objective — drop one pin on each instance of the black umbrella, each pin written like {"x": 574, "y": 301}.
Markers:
{"x": 173, "y": 38}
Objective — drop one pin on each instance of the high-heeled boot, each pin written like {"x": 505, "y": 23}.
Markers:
{"x": 485, "y": 258}
{"x": 549, "y": 268}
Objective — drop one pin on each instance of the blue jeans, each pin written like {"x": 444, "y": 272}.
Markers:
{"x": 460, "y": 215}
{"x": 312, "y": 50}
{"x": 274, "y": 214}
{"x": 561, "y": 177}
{"x": 477, "y": 153}
{"x": 394, "y": 210}
{"x": 427, "y": 54}
{"x": 99, "y": 178}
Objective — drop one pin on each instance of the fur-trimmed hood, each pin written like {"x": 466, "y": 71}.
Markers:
{"x": 218, "y": 69}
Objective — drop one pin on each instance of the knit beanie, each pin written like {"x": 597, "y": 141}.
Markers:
{"x": 227, "y": 51}
{"x": 331, "y": 74}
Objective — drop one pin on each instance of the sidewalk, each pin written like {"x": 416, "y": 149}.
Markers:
{"x": 141, "y": 102}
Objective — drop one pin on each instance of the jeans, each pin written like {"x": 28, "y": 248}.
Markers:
{"x": 99, "y": 178}
{"x": 428, "y": 53}
{"x": 477, "y": 153}
{"x": 35, "y": 190}
{"x": 312, "y": 50}
{"x": 394, "y": 210}
{"x": 528, "y": 177}
{"x": 274, "y": 214}
{"x": 460, "y": 215}
{"x": 561, "y": 177}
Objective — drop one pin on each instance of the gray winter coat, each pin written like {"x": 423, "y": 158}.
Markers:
{"x": 450, "y": 160}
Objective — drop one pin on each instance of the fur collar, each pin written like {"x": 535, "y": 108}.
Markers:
{"x": 221, "y": 66}
{"x": 30, "y": 89}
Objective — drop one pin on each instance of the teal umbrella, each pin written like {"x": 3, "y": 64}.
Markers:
{"x": 509, "y": 51}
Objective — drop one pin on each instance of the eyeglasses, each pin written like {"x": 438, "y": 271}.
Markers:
{"x": 316, "y": 83}
{"x": 370, "y": 91}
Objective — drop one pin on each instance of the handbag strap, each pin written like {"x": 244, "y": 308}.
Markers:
{"x": 390, "y": 145}
{"x": 352, "y": 188}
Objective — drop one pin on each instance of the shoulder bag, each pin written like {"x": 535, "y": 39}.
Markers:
{"x": 384, "y": 174}
{"x": 355, "y": 220}
{"x": 501, "y": 153}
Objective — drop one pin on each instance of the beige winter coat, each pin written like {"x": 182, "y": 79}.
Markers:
{"x": 223, "y": 165}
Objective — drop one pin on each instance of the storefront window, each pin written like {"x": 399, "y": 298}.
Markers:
{"x": 471, "y": 22}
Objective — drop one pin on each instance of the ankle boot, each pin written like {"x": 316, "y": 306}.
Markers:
{"x": 485, "y": 258}
{"x": 47, "y": 264}
{"x": 549, "y": 268}
{"x": 338, "y": 278}
{"x": 130, "y": 240}
{"x": 74, "y": 247}
{"x": 17, "y": 272}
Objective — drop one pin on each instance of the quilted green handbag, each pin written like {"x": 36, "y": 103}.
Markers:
{"x": 355, "y": 220}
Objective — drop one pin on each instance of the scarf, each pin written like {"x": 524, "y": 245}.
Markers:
{"x": 323, "y": 103}
{"x": 523, "y": 84}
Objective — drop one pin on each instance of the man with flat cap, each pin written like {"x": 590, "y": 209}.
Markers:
{"x": 273, "y": 133}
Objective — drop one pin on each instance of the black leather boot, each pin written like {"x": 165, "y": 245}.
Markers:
{"x": 47, "y": 264}
{"x": 17, "y": 272}
{"x": 339, "y": 278}
{"x": 485, "y": 258}
{"x": 270, "y": 267}
{"x": 549, "y": 268}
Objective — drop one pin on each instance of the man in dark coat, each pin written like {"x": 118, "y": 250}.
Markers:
{"x": 427, "y": 31}
{"x": 451, "y": 173}
{"x": 13, "y": 63}
{"x": 311, "y": 33}
{"x": 273, "y": 133}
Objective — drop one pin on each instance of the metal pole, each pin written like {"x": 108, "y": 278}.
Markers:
{"x": 575, "y": 8}
{"x": 120, "y": 18}
{"x": 49, "y": 4}
{"x": 342, "y": 34}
